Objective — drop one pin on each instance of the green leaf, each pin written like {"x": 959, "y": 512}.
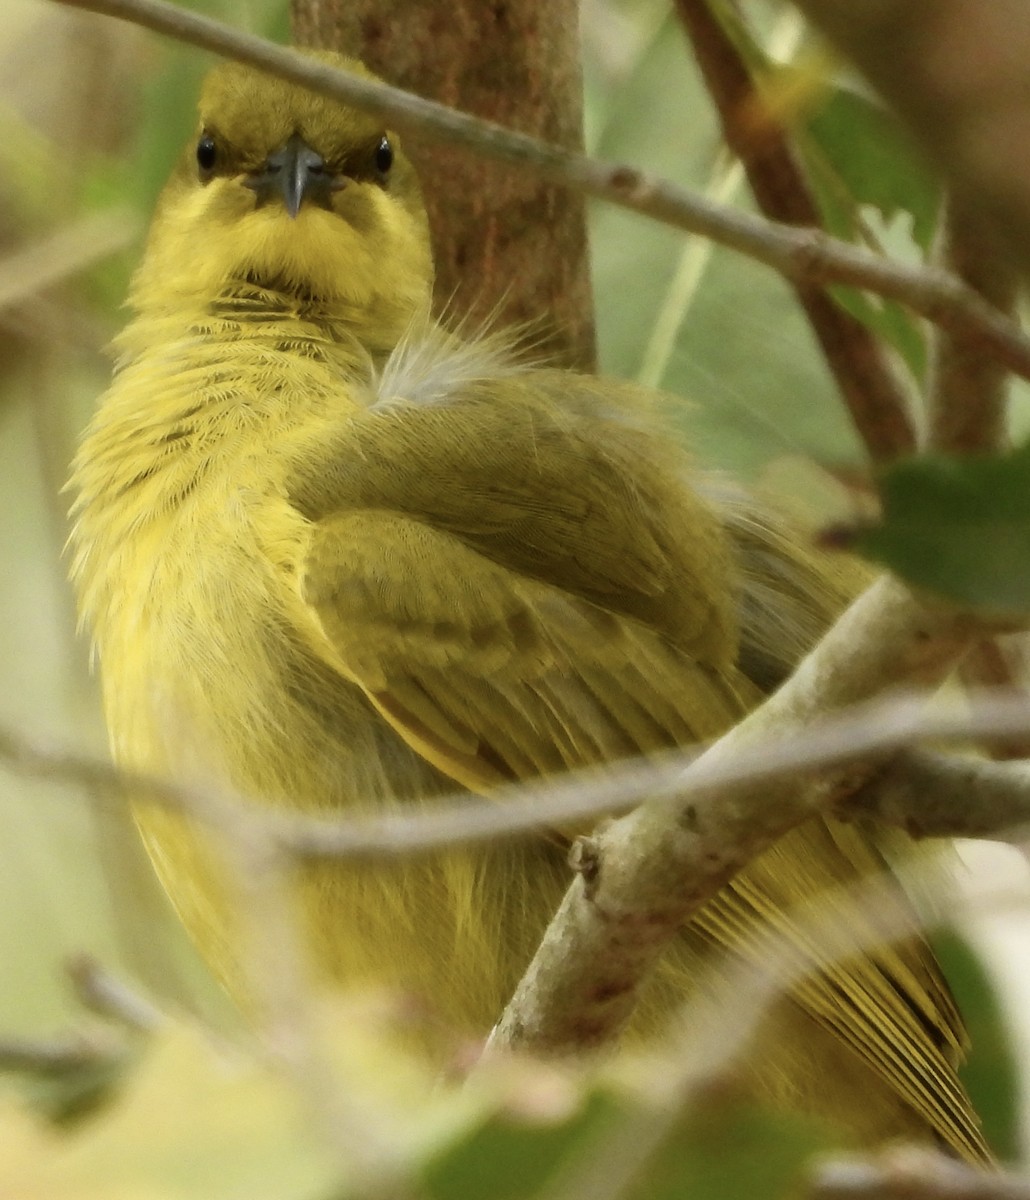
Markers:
{"x": 857, "y": 155}
{"x": 508, "y": 1157}
{"x": 732, "y": 1150}
{"x": 991, "y": 1073}
{"x": 854, "y": 142}
{"x": 722, "y": 1148}
{"x": 960, "y": 527}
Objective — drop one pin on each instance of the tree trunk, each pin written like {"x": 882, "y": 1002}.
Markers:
{"x": 507, "y": 246}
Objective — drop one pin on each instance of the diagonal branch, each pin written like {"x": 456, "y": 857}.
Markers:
{"x": 936, "y": 795}
{"x": 911, "y": 1173}
{"x": 871, "y": 390}
{"x": 967, "y": 386}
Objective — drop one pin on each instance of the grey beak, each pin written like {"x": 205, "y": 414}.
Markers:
{"x": 293, "y": 174}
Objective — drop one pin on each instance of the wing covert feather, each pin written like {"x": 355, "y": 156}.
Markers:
{"x": 495, "y": 677}
{"x": 504, "y": 642}
{"x": 554, "y": 483}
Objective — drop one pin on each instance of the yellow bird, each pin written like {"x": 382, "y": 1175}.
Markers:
{"x": 333, "y": 556}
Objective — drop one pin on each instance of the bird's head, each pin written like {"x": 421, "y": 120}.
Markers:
{"x": 288, "y": 190}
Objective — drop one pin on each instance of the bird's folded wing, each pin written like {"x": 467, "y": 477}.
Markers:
{"x": 555, "y": 483}
{"x": 480, "y": 631}
{"x": 494, "y": 678}
{"x": 491, "y": 676}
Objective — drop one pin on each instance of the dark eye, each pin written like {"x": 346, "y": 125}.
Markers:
{"x": 207, "y": 155}
{"x": 384, "y": 155}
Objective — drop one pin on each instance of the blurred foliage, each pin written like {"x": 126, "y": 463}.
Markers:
{"x": 743, "y": 354}
{"x": 517, "y": 1131}
{"x": 92, "y": 115}
{"x": 992, "y": 1071}
{"x": 960, "y": 527}
{"x": 185, "y": 1123}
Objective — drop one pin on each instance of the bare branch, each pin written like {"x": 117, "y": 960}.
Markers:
{"x": 967, "y": 386}
{"x": 718, "y": 1026}
{"x": 58, "y": 1055}
{"x": 912, "y": 1173}
{"x": 874, "y": 395}
{"x": 104, "y": 993}
{"x": 802, "y": 254}
{"x": 880, "y": 727}
{"x": 996, "y": 663}
{"x": 936, "y": 795}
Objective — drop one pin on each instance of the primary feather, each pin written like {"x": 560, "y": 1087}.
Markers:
{"x": 333, "y": 557}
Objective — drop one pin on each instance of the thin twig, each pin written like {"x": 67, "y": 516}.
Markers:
{"x": 874, "y": 729}
{"x": 799, "y": 254}
{"x": 994, "y": 663}
{"x": 99, "y": 990}
{"x": 912, "y": 1173}
{"x": 65, "y": 252}
{"x": 871, "y": 389}
{"x": 57, "y": 1055}
{"x": 645, "y": 875}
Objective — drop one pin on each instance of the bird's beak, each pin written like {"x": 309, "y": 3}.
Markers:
{"x": 293, "y": 174}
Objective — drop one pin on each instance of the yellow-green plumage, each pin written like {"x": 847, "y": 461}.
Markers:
{"x": 332, "y": 556}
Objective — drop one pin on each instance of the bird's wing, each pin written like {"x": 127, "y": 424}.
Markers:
{"x": 889, "y": 1003}
{"x": 555, "y": 483}
{"x": 510, "y": 618}
{"x": 503, "y": 579}
{"x": 493, "y": 676}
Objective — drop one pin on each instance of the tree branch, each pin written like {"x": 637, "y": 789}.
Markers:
{"x": 802, "y": 254}
{"x": 937, "y": 795}
{"x": 874, "y": 395}
{"x": 58, "y": 1055}
{"x": 105, "y": 994}
{"x": 911, "y": 1173}
{"x": 968, "y": 387}
{"x": 997, "y": 663}
{"x": 717, "y": 1027}
{"x": 644, "y": 876}
{"x": 884, "y": 726}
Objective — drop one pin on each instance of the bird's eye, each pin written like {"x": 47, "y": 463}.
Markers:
{"x": 384, "y": 155}
{"x": 207, "y": 155}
